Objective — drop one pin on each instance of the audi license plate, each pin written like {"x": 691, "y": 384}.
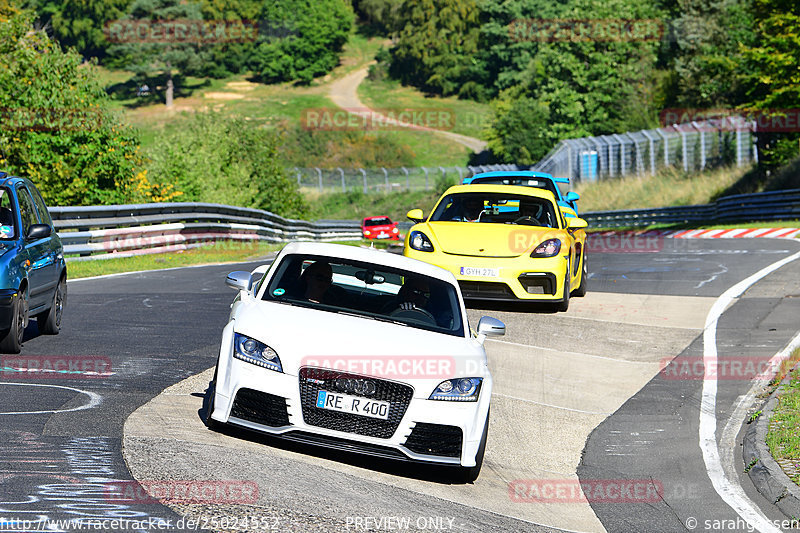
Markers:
{"x": 481, "y": 272}
{"x": 344, "y": 403}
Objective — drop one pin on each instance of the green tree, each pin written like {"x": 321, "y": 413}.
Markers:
{"x": 165, "y": 53}
{"x": 225, "y": 58}
{"x": 57, "y": 128}
{"x": 316, "y": 31}
{"x": 771, "y": 75}
{"x": 579, "y": 79}
{"x": 79, "y": 23}
{"x": 435, "y": 47}
{"x": 214, "y": 158}
{"x": 706, "y": 62}
{"x": 382, "y": 15}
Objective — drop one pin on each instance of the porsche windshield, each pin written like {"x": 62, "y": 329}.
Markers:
{"x": 340, "y": 285}
{"x": 522, "y": 181}
{"x": 496, "y": 208}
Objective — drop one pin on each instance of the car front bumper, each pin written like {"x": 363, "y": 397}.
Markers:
{"x": 422, "y": 430}
{"x": 517, "y": 278}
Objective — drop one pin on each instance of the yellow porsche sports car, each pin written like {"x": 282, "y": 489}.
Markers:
{"x": 503, "y": 242}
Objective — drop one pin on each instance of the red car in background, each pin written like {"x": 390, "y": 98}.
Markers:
{"x": 379, "y": 228}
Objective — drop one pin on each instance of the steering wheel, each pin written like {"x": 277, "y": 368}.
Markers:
{"x": 528, "y": 218}
{"x": 420, "y": 315}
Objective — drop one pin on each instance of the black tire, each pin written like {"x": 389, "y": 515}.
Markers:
{"x": 12, "y": 338}
{"x": 212, "y": 390}
{"x": 50, "y": 320}
{"x": 469, "y": 474}
{"x": 563, "y": 305}
{"x": 581, "y": 290}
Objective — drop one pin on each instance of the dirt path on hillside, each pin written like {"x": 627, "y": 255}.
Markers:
{"x": 344, "y": 93}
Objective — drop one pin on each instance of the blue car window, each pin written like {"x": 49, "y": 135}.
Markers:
{"x": 6, "y": 215}
{"x": 44, "y": 214}
{"x": 26, "y": 210}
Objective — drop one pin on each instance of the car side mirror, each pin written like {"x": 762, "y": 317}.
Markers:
{"x": 572, "y": 196}
{"x": 576, "y": 223}
{"x": 239, "y": 280}
{"x": 488, "y": 325}
{"x": 416, "y": 215}
{"x": 38, "y": 231}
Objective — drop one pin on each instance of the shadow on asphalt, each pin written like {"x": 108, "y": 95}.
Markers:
{"x": 425, "y": 472}
{"x": 511, "y": 307}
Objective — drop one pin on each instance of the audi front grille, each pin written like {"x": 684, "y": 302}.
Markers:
{"x": 313, "y": 380}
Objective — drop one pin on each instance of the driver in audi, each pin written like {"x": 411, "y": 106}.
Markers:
{"x": 414, "y": 294}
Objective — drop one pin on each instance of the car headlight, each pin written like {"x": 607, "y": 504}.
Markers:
{"x": 458, "y": 390}
{"x": 548, "y": 248}
{"x": 419, "y": 241}
{"x": 255, "y": 352}
{"x": 366, "y": 232}
{"x": 394, "y": 230}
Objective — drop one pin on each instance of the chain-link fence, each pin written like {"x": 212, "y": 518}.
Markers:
{"x": 384, "y": 179}
{"x": 691, "y": 146}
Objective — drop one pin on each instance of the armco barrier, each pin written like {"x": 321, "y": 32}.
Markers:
{"x": 119, "y": 230}
{"x": 776, "y": 205}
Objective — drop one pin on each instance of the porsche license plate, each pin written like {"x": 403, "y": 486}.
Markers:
{"x": 480, "y": 272}
{"x": 383, "y": 235}
{"x": 344, "y": 403}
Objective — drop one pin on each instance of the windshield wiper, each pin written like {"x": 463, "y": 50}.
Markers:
{"x": 373, "y": 317}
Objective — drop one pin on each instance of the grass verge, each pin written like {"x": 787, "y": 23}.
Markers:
{"x": 355, "y": 205}
{"x": 783, "y": 436}
{"x": 670, "y": 187}
{"x": 220, "y": 252}
{"x": 468, "y": 117}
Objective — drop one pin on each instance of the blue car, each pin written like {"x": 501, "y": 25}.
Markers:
{"x": 33, "y": 273}
{"x": 529, "y": 178}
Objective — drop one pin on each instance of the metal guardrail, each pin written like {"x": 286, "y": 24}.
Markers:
{"x": 776, "y": 205}
{"x": 136, "y": 229}
{"x": 123, "y": 230}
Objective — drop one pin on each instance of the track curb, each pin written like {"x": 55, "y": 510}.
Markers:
{"x": 765, "y": 473}
{"x": 733, "y": 233}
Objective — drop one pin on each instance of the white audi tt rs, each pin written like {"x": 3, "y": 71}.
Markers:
{"x": 359, "y": 350}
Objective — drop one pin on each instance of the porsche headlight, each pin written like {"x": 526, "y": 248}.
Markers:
{"x": 548, "y": 248}
{"x": 255, "y": 352}
{"x": 419, "y": 241}
{"x": 458, "y": 390}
